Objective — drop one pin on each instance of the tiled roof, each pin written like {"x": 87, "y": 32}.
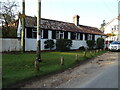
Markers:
{"x": 59, "y": 25}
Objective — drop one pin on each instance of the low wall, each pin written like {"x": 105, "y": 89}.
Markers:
{"x": 9, "y": 44}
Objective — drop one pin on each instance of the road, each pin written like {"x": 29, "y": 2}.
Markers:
{"x": 99, "y": 72}
{"x": 105, "y": 78}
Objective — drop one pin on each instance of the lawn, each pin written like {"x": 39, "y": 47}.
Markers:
{"x": 18, "y": 67}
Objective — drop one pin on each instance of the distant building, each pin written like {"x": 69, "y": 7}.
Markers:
{"x": 111, "y": 29}
{"x": 53, "y": 29}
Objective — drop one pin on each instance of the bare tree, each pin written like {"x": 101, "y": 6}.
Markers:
{"x": 8, "y": 11}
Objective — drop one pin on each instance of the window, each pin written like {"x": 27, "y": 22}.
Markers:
{"x": 117, "y": 27}
{"x": 34, "y": 33}
{"x": 53, "y": 34}
{"x": 73, "y": 35}
{"x": 90, "y": 36}
{"x": 77, "y": 36}
{"x": 81, "y": 36}
{"x": 86, "y": 36}
{"x": 66, "y": 35}
{"x": 93, "y": 37}
{"x": 29, "y": 32}
{"x": 61, "y": 35}
{"x": 57, "y": 34}
{"x": 114, "y": 27}
{"x": 45, "y": 34}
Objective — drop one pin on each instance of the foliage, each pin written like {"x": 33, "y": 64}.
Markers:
{"x": 90, "y": 43}
{"x": 9, "y": 32}
{"x": 100, "y": 43}
{"x": 49, "y": 44}
{"x": 63, "y": 44}
{"x": 8, "y": 11}
{"x": 110, "y": 34}
{"x": 82, "y": 48}
{"x": 102, "y": 26}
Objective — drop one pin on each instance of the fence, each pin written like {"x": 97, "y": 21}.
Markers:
{"x": 9, "y": 44}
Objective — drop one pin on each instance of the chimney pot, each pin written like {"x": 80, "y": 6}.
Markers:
{"x": 76, "y": 20}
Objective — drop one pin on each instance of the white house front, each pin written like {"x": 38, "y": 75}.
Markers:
{"x": 112, "y": 30}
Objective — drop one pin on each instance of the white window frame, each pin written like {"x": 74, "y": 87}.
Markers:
{"x": 35, "y": 30}
{"x": 58, "y": 34}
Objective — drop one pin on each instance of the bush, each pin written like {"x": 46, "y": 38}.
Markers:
{"x": 100, "y": 43}
{"x": 90, "y": 43}
{"x": 49, "y": 44}
{"x": 82, "y": 48}
{"x": 9, "y": 32}
{"x": 63, "y": 44}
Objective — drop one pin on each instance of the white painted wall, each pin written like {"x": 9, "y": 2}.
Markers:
{"x": 30, "y": 44}
{"x": 97, "y": 36}
{"x": 9, "y": 44}
{"x": 78, "y": 43}
{"x": 69, "y": 35}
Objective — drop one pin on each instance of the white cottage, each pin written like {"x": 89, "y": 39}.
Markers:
{"x": 53, "y": 29}
{"x": 112, "y": 30}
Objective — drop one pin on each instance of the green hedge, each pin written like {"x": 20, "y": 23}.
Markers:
{"x": 100, "y": 43}
{"x": 63, "y": 44}
{"x": 90, "y": 43}
{"x": 49, "y": 44}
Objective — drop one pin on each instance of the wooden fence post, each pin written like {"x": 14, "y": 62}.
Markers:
{"x": 76, "y": 57}
{"x": 84, "y": 54}
{"x": 62, "y": 61}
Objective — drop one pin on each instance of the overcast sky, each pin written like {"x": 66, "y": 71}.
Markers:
{"x": 91, "y": 12}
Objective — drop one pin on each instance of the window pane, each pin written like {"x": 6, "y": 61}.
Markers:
{"x": 45, "y": 34}
{"x": 86, "y": 36}
{"x": 81, "y": 36}
{"x": 66, "y": 35}
{"x": 29, "y": 32}
{"x": 73, "y": 35}
{"x": 61, "y": 35}
{"x": 34, "y": 35}
{"x": 57, "y": 34}
{"x": 93, "y": 37}
{"x": 53, "y": 34}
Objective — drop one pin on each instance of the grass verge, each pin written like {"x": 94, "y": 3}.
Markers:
{"x": 20, "y": 66}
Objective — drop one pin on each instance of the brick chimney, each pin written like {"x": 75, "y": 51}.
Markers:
{"x": 119, "y": 17}
{"x": 76, "y": 20}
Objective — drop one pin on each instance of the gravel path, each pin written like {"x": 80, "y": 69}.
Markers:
{"x": 83, "y": 71}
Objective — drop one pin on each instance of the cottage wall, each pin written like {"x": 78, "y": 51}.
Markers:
{"x": 30, "y": 43}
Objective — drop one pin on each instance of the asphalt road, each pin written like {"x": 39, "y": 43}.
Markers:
{"x": 104, "y": 78}
{"x": 107, "y": 78}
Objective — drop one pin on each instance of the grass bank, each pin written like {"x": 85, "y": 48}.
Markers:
{"x": 18, "y": 67}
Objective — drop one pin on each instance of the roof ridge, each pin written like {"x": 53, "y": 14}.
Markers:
{"x": 50, "y": 19}
{"x": 110, "y": 21}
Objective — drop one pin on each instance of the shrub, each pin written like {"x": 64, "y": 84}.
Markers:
{"x": 90, "y": 44}
{"x": 100, "y": 43}
{"x": 63, "y": 44}
{"x": 82, "y": 48}
{"x": 49, "y": 44}
{"x": 9, "y": 32}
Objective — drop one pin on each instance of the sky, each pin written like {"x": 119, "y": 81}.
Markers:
{"x": 91, "y": 12}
